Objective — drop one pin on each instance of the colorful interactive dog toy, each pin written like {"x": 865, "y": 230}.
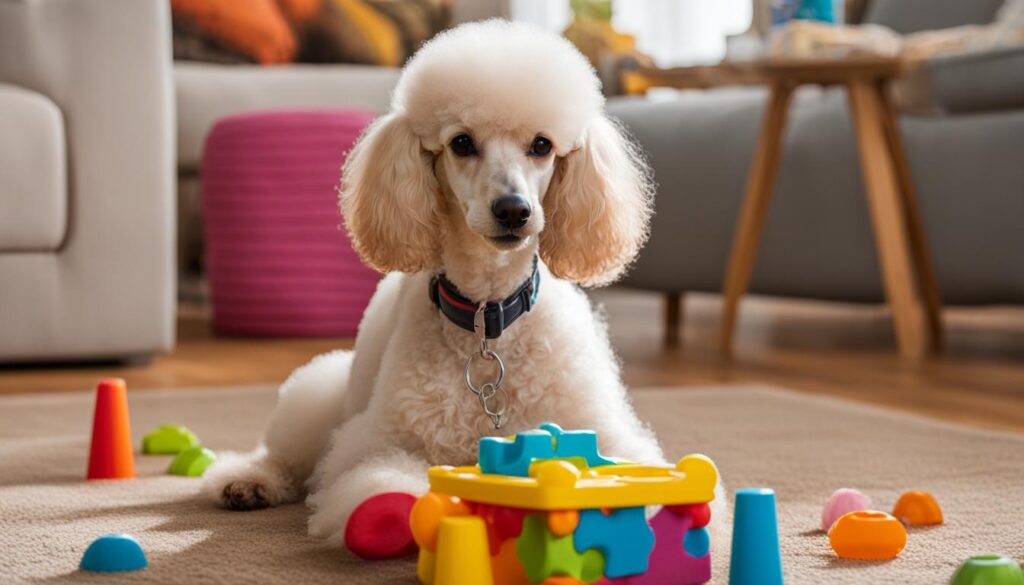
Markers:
{"x": 110, "y": 451}
{"x": 842, "y": 501}
{"x": 545, "y": 506}
{"x": 756, "y": 558}
{"x": 867, "y": 535}
{"x": 918, "y": 509}
{"x": 169, "y": 440}
{"x": 988, "y": 570}
{"x": 114, "y": 552}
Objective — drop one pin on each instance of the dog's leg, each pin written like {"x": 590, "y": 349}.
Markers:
{"x": 310, "y": 405}
{"x": 334, "y": 501}
{"x": 622, "y": 435}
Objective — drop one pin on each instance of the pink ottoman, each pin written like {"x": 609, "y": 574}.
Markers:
{"x": 277, "y": 257}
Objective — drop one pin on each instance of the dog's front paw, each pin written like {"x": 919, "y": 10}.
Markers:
{"x": 247, "y": 482}
{"x": 244, "y": 495}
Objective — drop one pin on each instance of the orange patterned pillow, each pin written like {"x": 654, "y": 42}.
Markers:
{"x": 300, "y": 12}
{"x": 375, "y": 32}
{"x": 256, "y": 29}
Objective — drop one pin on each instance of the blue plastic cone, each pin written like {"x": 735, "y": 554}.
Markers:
{"x": 755, "y": 539}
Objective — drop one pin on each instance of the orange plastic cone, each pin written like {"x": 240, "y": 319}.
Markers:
{"x": 110, "y": 456}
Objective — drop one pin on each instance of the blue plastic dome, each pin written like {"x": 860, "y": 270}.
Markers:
{"x": 114, "y": 552}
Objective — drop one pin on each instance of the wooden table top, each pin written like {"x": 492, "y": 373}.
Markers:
{"x": 822, "y": 71}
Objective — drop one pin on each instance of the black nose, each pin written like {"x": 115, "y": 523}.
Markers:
{"x": 511, "y": 211}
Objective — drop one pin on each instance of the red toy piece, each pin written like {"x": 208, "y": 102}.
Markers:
{"x": 502, "y": 523}
{"x": 699, "y": 514}
{"x": 379, "y": 527}
{"x": 110, "y": 454}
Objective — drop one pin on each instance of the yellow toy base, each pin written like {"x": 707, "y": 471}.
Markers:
{"x": 559, "y": 485}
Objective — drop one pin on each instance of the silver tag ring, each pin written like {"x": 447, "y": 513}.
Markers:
{"x": 501, "y": 406}
{"x": 490, "y": 356}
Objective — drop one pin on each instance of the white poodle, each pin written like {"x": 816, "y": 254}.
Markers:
{"x": 496, "y": 152}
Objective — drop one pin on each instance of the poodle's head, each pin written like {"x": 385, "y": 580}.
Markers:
{"x": 497, "y": 135}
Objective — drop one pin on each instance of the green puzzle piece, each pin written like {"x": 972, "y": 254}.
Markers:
{"x": 169, "y": 440}
{"x": 545, "y": 555}
{"x": 192, "y": 462}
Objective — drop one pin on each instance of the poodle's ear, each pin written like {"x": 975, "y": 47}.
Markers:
{"x": 597, "y": 208}
{"x": 390, "y": 198}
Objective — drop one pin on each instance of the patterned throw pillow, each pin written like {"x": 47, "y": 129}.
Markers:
{"x": 417, "y": 20}
{"x": 233, "y": 31}
{"x": 300, "y": 12}
{"x": 373, "y": 32}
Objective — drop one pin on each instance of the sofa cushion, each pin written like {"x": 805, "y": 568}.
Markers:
{"x": 33, "y": 192}
{"x": 971, "y": 82}
{"x": 908, "y": 16}
{"x": 209, "y": 92}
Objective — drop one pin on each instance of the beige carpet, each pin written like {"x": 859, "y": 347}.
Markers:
{"x": 802, "y": 446}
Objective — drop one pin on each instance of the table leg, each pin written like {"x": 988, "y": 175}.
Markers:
{"x": 923, "y": 268}
{"x": 673, "y": 317}
{"x": 754, "y": 209}
{"x": 890, "y": 227}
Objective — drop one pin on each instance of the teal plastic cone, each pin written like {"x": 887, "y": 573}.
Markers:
{"x": 755, "y": 539}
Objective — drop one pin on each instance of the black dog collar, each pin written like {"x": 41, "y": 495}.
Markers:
{"x": 497, "y": 317}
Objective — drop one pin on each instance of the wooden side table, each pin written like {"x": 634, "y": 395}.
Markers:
{"x": 899, "y": 237}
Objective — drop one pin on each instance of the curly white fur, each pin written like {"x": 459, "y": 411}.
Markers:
{"x": 353, "y": 424}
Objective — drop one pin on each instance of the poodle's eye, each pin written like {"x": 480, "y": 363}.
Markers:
{"x": 462, "y": 145}
{"x": 541, "y": 147}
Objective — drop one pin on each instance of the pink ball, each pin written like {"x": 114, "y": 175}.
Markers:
{"x": 841, "y": 501}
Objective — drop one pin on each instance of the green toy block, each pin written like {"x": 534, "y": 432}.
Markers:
{"x": 593, "y": 566}
{"x": 545, "y": 555}
{"x": 169, "y": 440}
{"x": 192, "y": 462}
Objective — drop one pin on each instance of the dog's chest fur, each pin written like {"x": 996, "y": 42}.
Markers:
{"x": 440, "y": 416}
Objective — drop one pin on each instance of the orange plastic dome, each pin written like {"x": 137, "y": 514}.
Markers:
{"x": 427, "y": 513}
{"x": 867, "y": 535}
{"x": 918, "y": 509}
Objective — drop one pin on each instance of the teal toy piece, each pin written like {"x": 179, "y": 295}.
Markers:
{"x": 623, "y": 537}
{"x": 192, "y": 462}
{"x": 988, "y": 570}
{"x": 504, "y": 457}
{"x": 576, "y": 444}
{"x": 513, "y": 457}
{"x": 755, "y": 539}
{"x": 820, "y": 10}
{"x": 114, "y": 552}
{"x": 169, "y": 440}
{"x": 697, "y": 542}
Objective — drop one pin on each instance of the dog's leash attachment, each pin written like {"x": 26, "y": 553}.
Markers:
{"x": 493, "y": 398}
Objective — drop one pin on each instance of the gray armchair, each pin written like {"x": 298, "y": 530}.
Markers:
{"x": 86, "y": 179}
{"x": 965, "y": 162}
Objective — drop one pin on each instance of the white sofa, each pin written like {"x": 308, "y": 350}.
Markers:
{"x": 86, "y": 180}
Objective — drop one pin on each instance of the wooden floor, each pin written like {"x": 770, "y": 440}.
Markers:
{"x": 818, "y": 348}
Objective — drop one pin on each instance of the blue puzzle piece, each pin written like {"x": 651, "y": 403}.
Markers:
{"x": 623, "y": 537}
{"x": 576, "y": 444}
{"x": 504, "y": 457}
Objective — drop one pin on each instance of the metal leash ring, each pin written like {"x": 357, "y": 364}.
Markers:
{"x": 489, "y": 355}
{"x": 497, "y": 414}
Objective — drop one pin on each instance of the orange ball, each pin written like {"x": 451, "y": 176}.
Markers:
{"x": 867, "y": 535}
{"x": 563, "y": 522}
{"x": 427, "y": 512}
